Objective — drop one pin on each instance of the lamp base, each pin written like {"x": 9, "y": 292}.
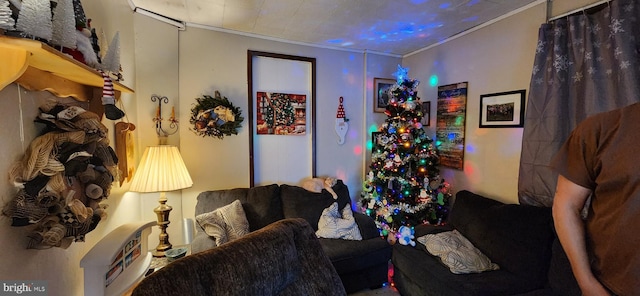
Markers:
{"x": 162, "y": 212}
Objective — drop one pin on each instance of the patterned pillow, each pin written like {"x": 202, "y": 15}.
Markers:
{"x": 226, "y": 223}
{"x": 334, "y": 225}
{"x": 457, "y": 252}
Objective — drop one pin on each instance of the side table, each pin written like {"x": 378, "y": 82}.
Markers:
{"x": 160, "y": 262}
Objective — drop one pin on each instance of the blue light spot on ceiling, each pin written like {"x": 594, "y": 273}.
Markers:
{"x": 418, "y": 2}
{"x": 473, "y": 2}
{"x": 335, "y": 41}
{"x": 407, "y": 30}
{"x": 433, "y": 25}
{"x": 445, "y": 5}
{"x": 470, "y": 19}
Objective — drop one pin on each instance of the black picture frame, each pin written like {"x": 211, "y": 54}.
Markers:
{"x": 374, "y": 139}
{"x": 503, "y": 109}
{"x": 426, "y": 113}
{"x": 380, "y": 94}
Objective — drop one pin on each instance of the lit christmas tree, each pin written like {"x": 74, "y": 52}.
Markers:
{"x": 403, "y": 187}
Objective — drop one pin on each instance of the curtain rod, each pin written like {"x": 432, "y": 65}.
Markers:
{"x": 575, "y": 10}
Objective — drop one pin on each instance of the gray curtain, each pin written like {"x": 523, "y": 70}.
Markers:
{"x": 585, "y": 63}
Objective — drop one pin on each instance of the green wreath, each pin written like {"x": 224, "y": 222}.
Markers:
{"x": 215, "y": 117}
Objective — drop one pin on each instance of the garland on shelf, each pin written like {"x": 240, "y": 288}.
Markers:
{"x": 215, "y": 117}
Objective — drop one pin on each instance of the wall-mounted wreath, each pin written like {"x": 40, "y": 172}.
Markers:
{"x": 62, "y": 178}
{"x": 215, "y": 117}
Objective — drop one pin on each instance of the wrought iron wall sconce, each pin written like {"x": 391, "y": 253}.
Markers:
{"x": 173, "y": 122}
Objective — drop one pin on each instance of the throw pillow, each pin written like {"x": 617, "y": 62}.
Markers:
{"x": 226, "y": 223}
{"x": 457, "y": 252}
{"x": 334, "y": 225}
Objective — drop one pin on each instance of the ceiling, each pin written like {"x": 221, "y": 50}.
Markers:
{"x": 396, "y": 27}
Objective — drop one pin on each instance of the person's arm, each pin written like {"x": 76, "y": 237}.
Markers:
{"x": 567, "y": 206}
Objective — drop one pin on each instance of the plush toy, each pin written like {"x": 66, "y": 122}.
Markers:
{"x": 405, "y": 236}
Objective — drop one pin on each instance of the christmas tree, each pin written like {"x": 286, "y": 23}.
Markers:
{"x": 404, "y": 187}
{"x": 111, "y": 59}
{"x": 34, "y": 18}
{"x": 64, "y": 24}
{"x": 6, "y": 22}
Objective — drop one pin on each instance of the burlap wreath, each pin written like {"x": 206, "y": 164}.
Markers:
{"x": 63, "y": 176}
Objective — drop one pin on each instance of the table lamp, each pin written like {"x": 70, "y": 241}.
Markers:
{"x": 161, "y": 169}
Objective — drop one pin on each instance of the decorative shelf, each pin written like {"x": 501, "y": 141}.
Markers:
{"x": 118, "y": 261}
{"x": 38, "y": 66}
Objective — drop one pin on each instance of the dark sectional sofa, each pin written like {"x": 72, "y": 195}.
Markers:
{"x": 360, "y": 264}
{"x": 293, "y": 264}
{"x": 520, "y": 239}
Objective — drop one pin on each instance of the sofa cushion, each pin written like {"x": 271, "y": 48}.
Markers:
{"x": 298, "y": 202}
{"x": 516, "y": 237}
{"x": 354, "y": 256}
{"x": 420, "y": 271}
{"x": 456, "y": 252}
{"x": 332, "y": 224}
{"x": 226, "y": 223}
{"x": 261, "y": 204}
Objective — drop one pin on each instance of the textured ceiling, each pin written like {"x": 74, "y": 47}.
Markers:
{"x": 395, "y": 27}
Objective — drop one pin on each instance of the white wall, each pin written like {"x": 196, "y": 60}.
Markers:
{"x": 212, "y": 60}
{"x": 61, "y": 267}
{"x": 497, "y": 58}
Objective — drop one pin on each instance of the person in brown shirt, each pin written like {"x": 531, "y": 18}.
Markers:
{"x": 601, "y": 161}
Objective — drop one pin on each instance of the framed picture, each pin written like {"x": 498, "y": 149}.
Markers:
{"x": 374, "y": 139}
{"x": 451, "y": 118}
{"x": 426, "y": 113}
{"x": 281, "y": 113}
{"x": 380, "y": 93}
{"x": 505, "y": 109}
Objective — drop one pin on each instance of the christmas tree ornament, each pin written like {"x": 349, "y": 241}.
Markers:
{"x": 109, "y": 100}
{"x": 6, "y": 21}
{"x": 34, "y": 18}
{"x": 342, "y": 124}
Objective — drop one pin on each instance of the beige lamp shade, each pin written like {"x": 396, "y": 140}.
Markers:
{"x": 161, "y": 169}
